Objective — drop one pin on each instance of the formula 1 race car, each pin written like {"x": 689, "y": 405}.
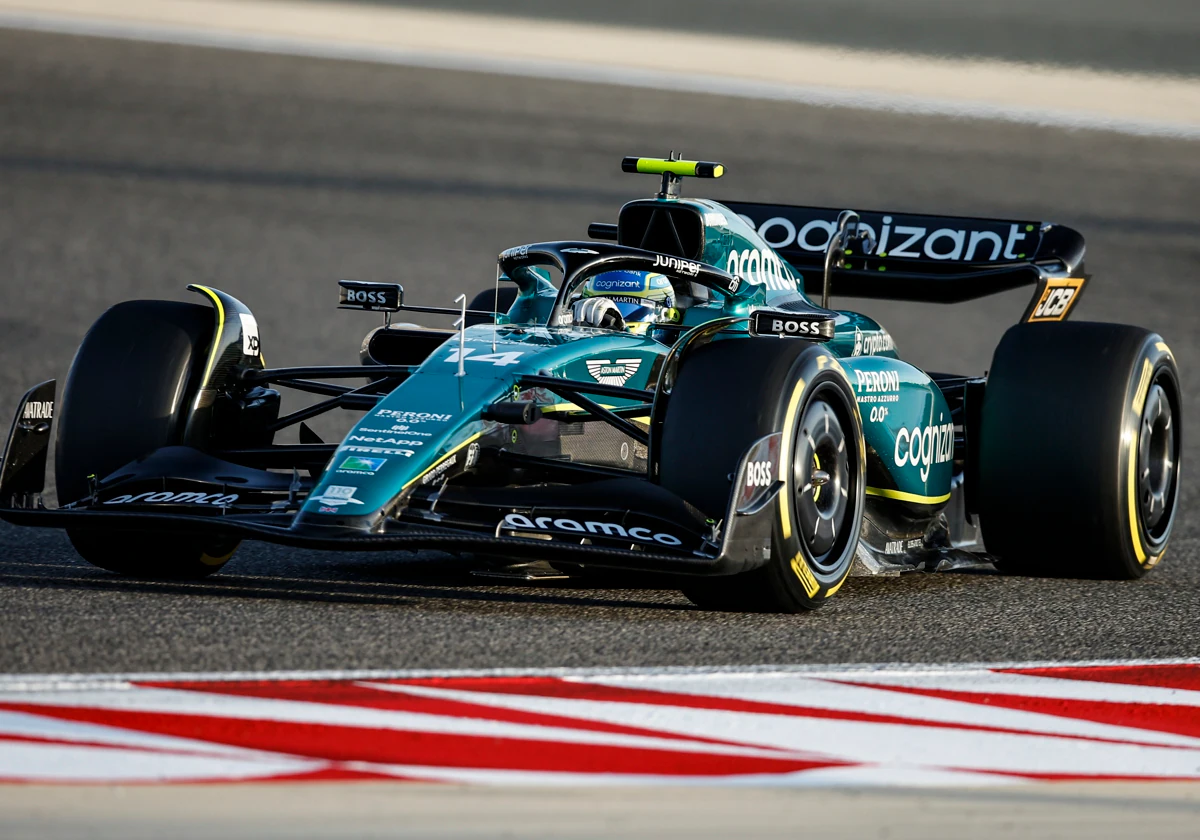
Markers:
{"x": 676, "y": 402}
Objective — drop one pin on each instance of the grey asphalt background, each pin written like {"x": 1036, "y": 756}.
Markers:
{"x": 1158, "y": 36}
{"x": 130, "y": 169}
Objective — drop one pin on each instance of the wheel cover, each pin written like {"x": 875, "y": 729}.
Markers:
{"x": 821, "y": 478}
{"x": 1156, "y": 466}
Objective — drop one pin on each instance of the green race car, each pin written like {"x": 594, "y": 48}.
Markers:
{"x": 674, "y": 395}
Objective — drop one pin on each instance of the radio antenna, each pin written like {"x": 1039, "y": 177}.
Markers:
{"x": 461, "y": 323}
{"x": 670, "y": 181}
{"x": 496, "y": 308}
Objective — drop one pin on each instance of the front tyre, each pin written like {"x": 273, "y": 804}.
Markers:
{"x": 1079, "y": 450}
{"x": 153, "y": 556}
{"x": 730, "y": 394}
{"x": 128, "y": 393}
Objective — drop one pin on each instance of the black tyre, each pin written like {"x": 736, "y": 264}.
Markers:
{"x": 1079, "y": 450}
{"x": 128, "y": 393}
{"x": 730, "y": 394}
{"x": 153, "y": 556}
{"x": 489, "y": 301}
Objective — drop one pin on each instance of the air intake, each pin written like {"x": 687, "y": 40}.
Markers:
{"x": 673, "y": 229}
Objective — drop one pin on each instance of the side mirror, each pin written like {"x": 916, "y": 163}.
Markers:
{"x": 370, "y": 297}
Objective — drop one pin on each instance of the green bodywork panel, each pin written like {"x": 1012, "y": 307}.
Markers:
{"x": 435, "y": 412}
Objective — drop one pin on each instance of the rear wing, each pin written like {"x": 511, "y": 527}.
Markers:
{"x": 931, "y": 259}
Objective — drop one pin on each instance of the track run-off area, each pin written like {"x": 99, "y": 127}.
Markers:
{"x": 130, "y": 168}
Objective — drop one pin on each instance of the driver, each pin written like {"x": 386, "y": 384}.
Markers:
{"x": 630, "y": 301}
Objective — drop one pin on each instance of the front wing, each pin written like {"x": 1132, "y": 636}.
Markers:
{"x": 745, "y": 544}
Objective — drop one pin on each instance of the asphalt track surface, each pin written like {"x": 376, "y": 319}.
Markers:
{"x": 1157, "y": 36}
{"x": 129, "y": 170}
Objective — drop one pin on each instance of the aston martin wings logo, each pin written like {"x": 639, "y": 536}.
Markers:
{"x": 617, "y": 372}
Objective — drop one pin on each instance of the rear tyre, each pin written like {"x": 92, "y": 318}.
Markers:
{"x": 489, "y": 301}
{"x": 730, "y": 394}
{"x": 127, "y": 394}
{"x": 1079, "y": 451}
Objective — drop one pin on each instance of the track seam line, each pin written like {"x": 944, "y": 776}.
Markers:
{"x": 124, "y": 681}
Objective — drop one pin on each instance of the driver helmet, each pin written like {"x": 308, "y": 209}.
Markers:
{"x": 642, "y": 297}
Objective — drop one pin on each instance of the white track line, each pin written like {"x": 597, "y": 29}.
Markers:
{"x": 35, "y": 762}
{"x": 117, "y": 681}
{"x": 1137, "y": 104}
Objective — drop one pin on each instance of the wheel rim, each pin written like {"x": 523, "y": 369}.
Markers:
{"x": 1156, "y": 468}
{"x": 821, "y": 476}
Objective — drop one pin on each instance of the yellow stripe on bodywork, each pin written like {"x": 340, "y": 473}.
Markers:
{"x": 439, "y": 461}
{"x": 785, "y": 454}
{"x": 216, "y": 347}
{"x": 565, "y": 408}
{"x": 901, "y": 496}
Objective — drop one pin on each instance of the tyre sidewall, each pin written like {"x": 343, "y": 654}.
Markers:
{"x": 728, "y": 395}
{"x": 792, "y": 570}
{"x": 1142, "y": 551}
{"x": 129, "y": 389}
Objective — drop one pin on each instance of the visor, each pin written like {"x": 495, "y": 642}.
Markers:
{"x": 637, "y": 312}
